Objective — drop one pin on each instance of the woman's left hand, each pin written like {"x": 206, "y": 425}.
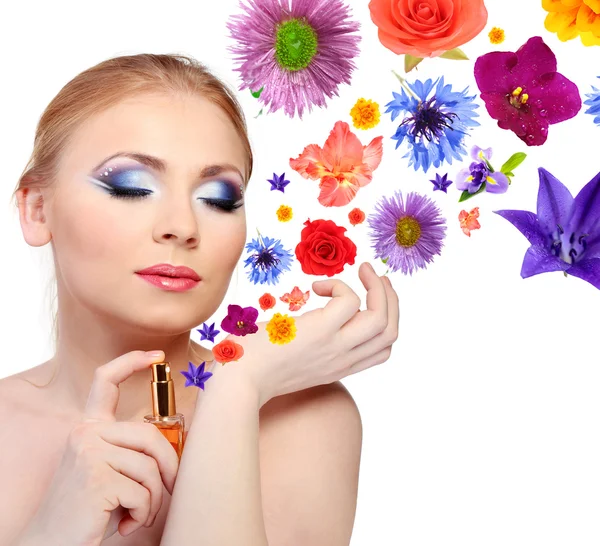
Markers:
{"x": 331, "y": 342}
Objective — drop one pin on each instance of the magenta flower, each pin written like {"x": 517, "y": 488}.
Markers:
{"x": 524, "y": 92}
{"x": 240, "y": 321}
{"x": 296, "y": 51}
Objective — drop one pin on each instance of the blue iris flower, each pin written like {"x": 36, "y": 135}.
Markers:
{"x": 593, "y": 102}
{"x": 268, "y": 259}
{"x": 435, "y": 126}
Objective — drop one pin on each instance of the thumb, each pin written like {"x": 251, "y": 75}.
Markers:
{"x": 104, "y": 393}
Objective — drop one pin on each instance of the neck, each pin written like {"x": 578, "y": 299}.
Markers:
{"x": 86, "y": 342}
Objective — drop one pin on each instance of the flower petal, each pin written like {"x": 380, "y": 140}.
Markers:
{"x": 336, "y": 194}
{"x": 586, "y": 208}
{"x": 461, "y": 182}
{"x": 534, "y": 59}
{"x": 478, "y": 153}
{"x": 342, "y": 149}
{"x": 527, "y": 223}
{"x": 312, "y": 155}
{"x": 594, "y": 4}
{"x": 496, "y": 182}
{"x": 563, "y": 23}
{"x": 539, "y": 260}
{"x": 373, "y": 153}
{"x": 560, "y": 5}
{"x": 493, "y": 71}
{"x": 557, "y": 96}
{"x": 588, "y": 270}
{"x": 554, "y": 202}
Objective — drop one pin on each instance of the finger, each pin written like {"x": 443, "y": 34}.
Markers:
{"x": 368, "y": 323}
{"x": 147, "y": 439}
{"x": 385, "y": 338}
{"x": 378, "y": 358}
{"x": 142, "y": 469}
{"x": 136, "y": 498}
{"x": 104, "y": 393}
{"x": 343, "y": 305}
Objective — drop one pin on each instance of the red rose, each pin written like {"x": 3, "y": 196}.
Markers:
{"x": 356, "y": 216}
{"x": 324, "y": 249}
{"x": 227, "y": 351}
{"x": 266, "y": 301}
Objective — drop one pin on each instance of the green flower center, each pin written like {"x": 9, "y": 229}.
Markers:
{"x": 408, "y": 231}
{"x": 296, "y": 44}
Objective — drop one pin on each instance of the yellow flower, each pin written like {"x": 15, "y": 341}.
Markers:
{"x": 365, "y": 114}
{"x": 284, "y": 213}
{"x": 572, "y": 18}
{"x": 281, "y": 329}
{"x": 496, "y": 35}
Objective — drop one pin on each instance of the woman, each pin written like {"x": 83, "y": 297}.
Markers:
{"x": 144, "y": 160}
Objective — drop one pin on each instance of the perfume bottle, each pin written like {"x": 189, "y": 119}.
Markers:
{"x": 164, "y": 415}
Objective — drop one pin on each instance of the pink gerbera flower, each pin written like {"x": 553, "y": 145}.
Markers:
{"x": 295, "y": 52}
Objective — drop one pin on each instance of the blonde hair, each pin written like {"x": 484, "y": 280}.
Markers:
{"x": 108, "y": 83}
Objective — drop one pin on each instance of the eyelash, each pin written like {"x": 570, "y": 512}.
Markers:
{"x": 221, "y": 204}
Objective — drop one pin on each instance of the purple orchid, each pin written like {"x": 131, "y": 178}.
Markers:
{"x": 478, "y": 172}
{"x": 441, "y": 182}
{"x": 278, "y": 183}
{"x": 208, "y": 332}
{"x": 240, "y": 321}
{"x": 524, "y": 92}
{"x": 565, "y": 233}
{"x": 196, "y": 376}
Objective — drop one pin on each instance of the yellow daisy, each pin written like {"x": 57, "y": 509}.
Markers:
{"x": 365, "y": 114}
{"x": 281, "y": 329}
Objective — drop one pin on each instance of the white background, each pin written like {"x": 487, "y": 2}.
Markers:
{"x": 482, "y": 428}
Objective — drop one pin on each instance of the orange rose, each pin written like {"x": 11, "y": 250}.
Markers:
{"x": 356, "y": 216}
{"x": 227, "y": 351}
{"x": 427, "y": 28}
{"x": 266, "y": 301}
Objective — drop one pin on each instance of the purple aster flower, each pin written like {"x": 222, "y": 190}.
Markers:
{"x": 208, "y": 332}
{"x": 441, "y": 182}
{"x": 407, "y": 235}
{"x": 196, "y": 376}
{"x": 300, "y": 51}
{"x": 565, "y": 233}
{"x": 480, "y": 172}
{"x": 524, "y": 92}
{"x": 279, "y": 182}
{"x": 240, "y": 321}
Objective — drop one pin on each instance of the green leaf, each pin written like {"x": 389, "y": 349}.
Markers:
{"x": 489, "y": 165}
{"x": 410, "y": 62}
{"x": 466, "y": 195}
{"x": 260, "y": 113}
{"x": 513, "y": 162}
{"x": 385, "y": 260}
{"x": 455, "y": 54}
{"x": 256, "y": 94}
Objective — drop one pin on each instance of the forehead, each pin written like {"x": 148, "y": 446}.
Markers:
{"x": 186, "y": 131}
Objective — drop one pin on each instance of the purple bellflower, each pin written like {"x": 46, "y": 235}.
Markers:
{"x": 279, "y": 183}
{"x": 196, "y": 376}
{"x": 524, "y": 92}
{"x": 478, "y": 172}
{"x": 565, "y": 233}
{"x": 208, "y": 332}
{"x": 441, "y": 182}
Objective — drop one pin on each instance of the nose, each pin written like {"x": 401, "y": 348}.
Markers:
{"x": 177, "y": 223}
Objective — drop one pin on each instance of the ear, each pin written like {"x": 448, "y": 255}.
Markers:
{"x": 31, "y": 215}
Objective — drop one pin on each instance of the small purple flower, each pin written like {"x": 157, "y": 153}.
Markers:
{"x": 478, "y": 172}
{"x": 524, "y": 92}
{"x": 299, "y": 51}
{"x": 240, "y": 321}
{"x": 278, "y": 182}
{"x": 441, "y": 182}
{"x": 196, "y": 376}
{"x": 565, "y": 232}
{"x": 407, "y": 234}
{"x": 208, "y": 332}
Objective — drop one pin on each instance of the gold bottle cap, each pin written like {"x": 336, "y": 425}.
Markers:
{"x": 163, "y": 390}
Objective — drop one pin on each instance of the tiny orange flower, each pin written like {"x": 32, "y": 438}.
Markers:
{"x": 227, "y": 351}
{"x": 266, "y": 301}
{"x": 284, "y": 213}
{"x": 356, "y": 216}
{"x": 296, "y": 298}
{"x": 496, "y": 35}
{"x": 365, "y": 114}
{"x": 468, "y": 220}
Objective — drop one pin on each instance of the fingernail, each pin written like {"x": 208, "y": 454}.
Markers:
{"x": 155, "y": 354}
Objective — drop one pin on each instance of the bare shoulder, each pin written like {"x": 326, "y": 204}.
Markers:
{"x": 310, "y": 457}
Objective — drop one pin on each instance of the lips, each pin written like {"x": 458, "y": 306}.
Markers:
{"x": 168, "y": 270}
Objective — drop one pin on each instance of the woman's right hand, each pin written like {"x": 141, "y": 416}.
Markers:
{"x": 111, "y": 474}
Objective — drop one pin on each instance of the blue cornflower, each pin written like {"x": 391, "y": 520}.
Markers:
{"x": 594, "y": 104}
{"x": 268, "y": 260}
{"x": 435, "y": 126}
{"x": 279, "y": 182}
{"x": 208, "y": 332}
{"x": 196, "y": 376}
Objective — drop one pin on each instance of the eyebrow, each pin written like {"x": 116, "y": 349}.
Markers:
{"x": 161, "y": 165}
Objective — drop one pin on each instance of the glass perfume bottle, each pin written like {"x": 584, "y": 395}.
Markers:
{"x": 164, "y": 414}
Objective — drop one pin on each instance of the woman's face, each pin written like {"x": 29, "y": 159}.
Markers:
{"x": 111, "y": 218}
